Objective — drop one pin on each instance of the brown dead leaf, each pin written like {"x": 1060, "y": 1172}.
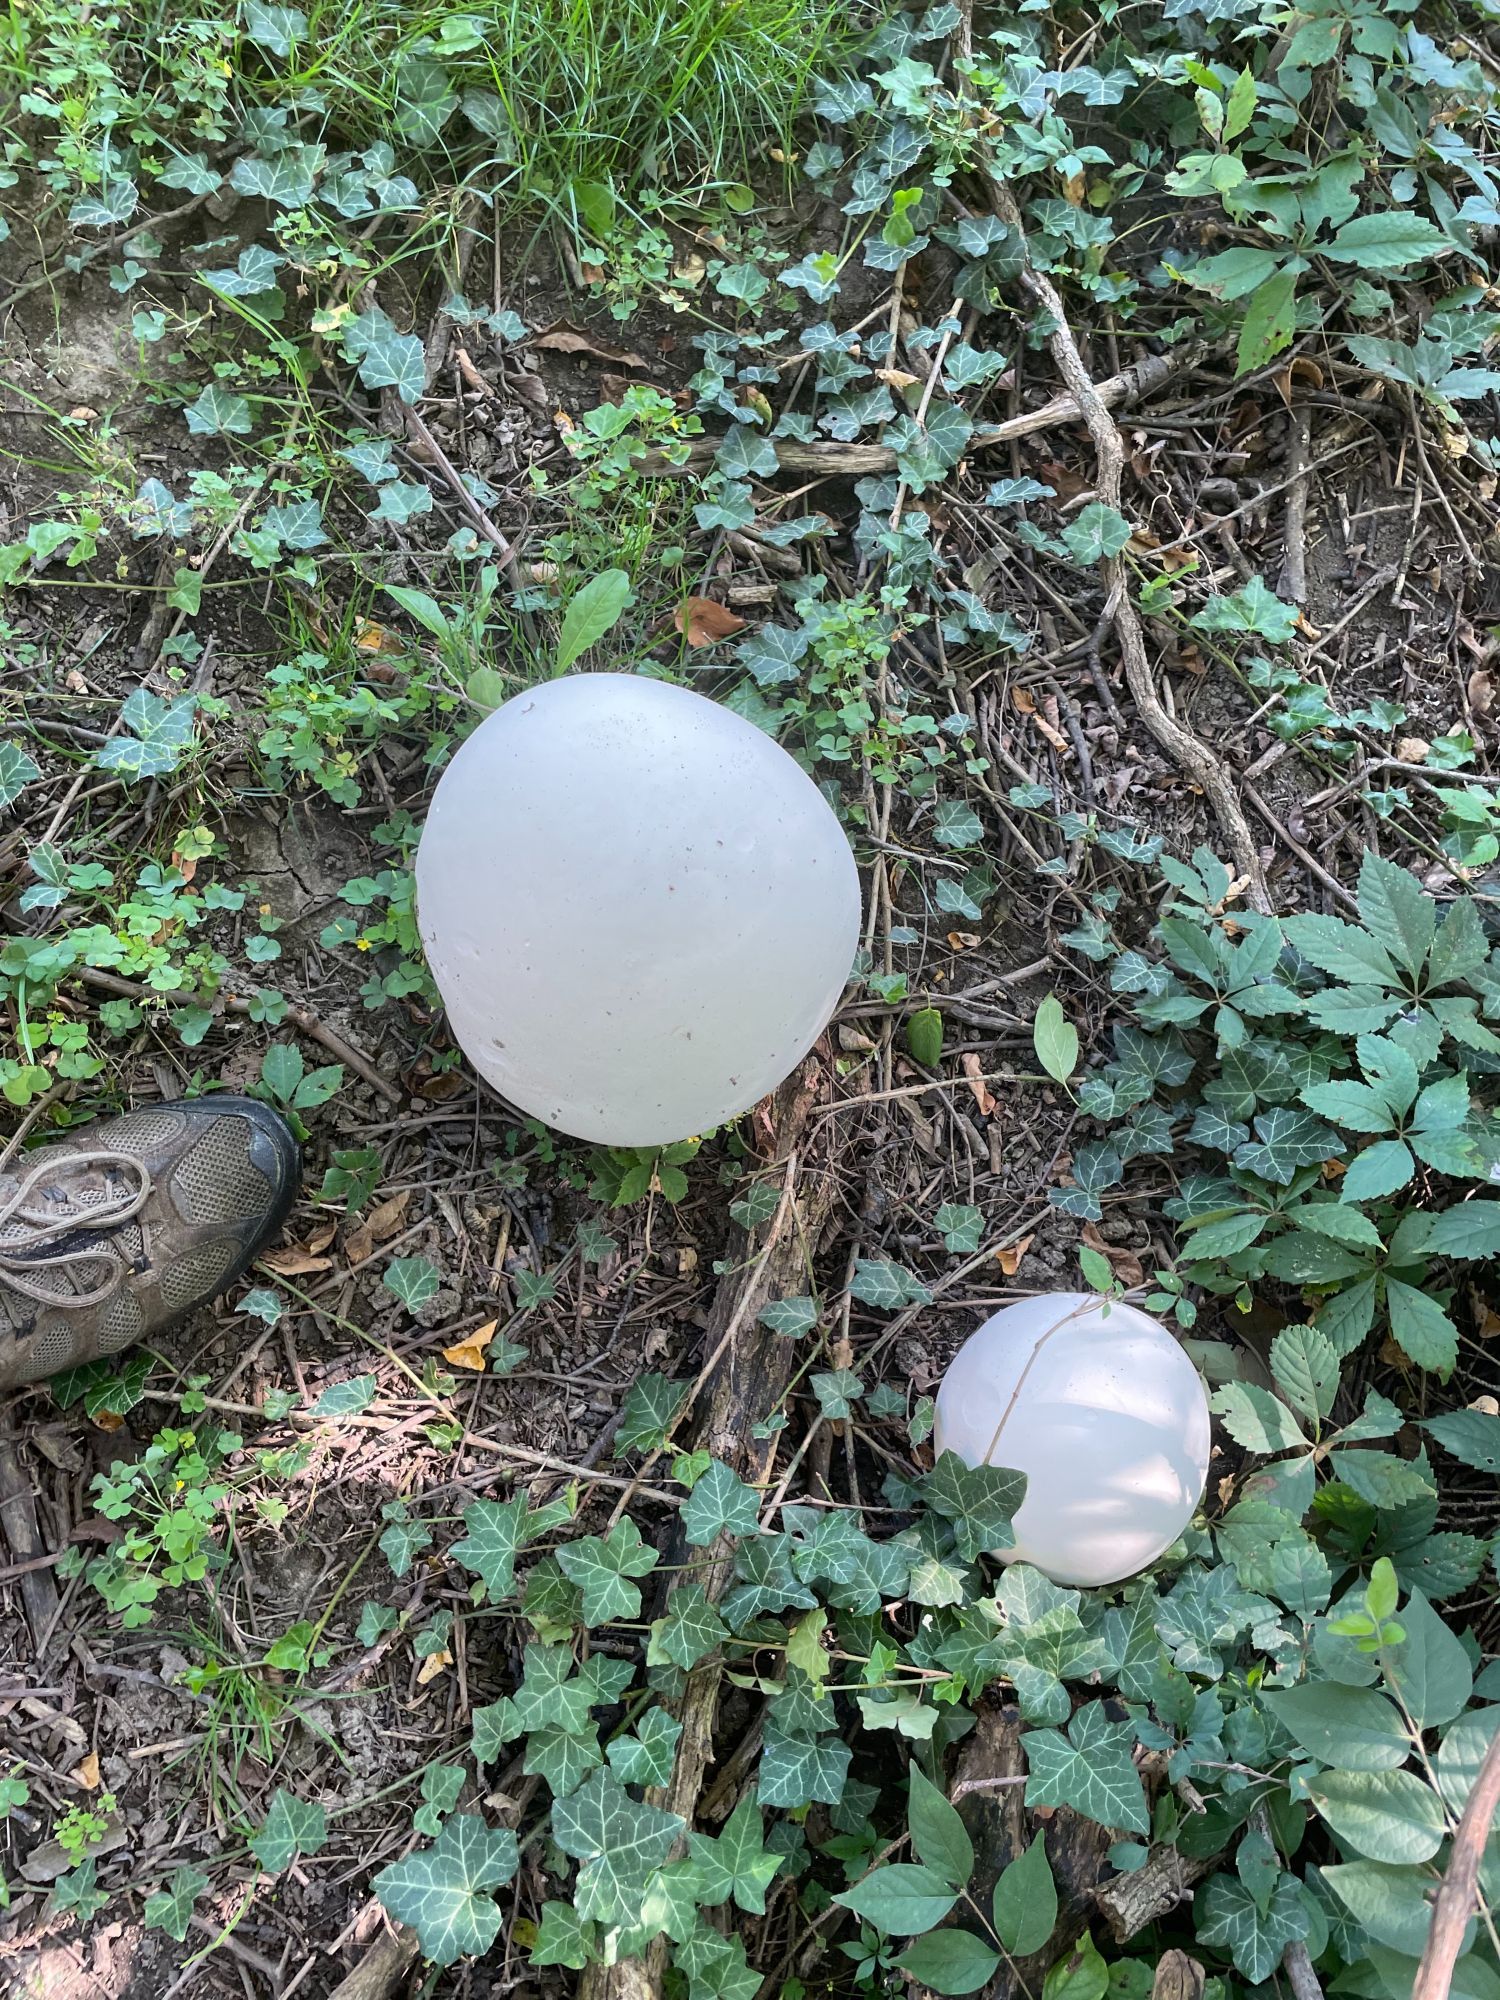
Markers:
{"x": 87, "y": 1773}
{"x": 1302, "y": 369}
{"x": 294, "y": 1262}
{"x": 964, "y": 940}
{"x": 469, "y": 1352}
{"x": 74, "y": 682}
{"x": 358, "y": 1245}
{"x": 1065, "y": 481}
{"x": 107, "y": 1420}
{"x": 565, "y": 339}
{"x": 319, "y": 1239}
{"x": 896, "y": 378}
{"x": 1023, "y": 701}
{"x": 703, "y": 622}
{"x": 1074, "y": 188}
{"x": 973, "y": 1069}
{"x": 433, "y": 1665}
{"x": 1481, "y": 692}
{"x": 1413, "y": 749}
{"x": 386, "y": 1218}
{"x": 1126, "y": 1266}
{"x": 1009, "y": 1259}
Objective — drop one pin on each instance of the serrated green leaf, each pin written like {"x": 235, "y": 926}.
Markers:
{"x": 1387, "y": 241}
{"x": 1421, "y": 1328}
{"x": 1471, "y": 1436}
{"x": 1270, "y": 322}
{"x": 1306, "y": 1370}
{"x": 1256, "y": 1419}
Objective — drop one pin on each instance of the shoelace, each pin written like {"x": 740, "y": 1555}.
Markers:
{"x": 19, "y": 1259}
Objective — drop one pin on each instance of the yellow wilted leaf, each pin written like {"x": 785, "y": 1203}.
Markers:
{"x": 469, "y": 1352}
{"x": 87, "y": 1773}
{"x": 432, "y": 1666}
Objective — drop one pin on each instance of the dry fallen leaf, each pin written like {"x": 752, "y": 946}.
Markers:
{"x": 1413, "y": 749}
{"x": 1009, "y": 1259}
{"x": 563, "y": 339}
{"x": 964, "y": 940}
{"x": 1126, "y": 1266}
{"x": 87, "y": 1773}
{"x": 107, "y": 1420}
{"x": 973, "y": 1069}
{"x": 432, "y": 1666}
{"x": 703, "y": 622}
{"x": 386, "y": 1217}
{"x": 294, "y": 1263}
{"x": 469, "y": 1352}
{"x": 358, "y": 1245}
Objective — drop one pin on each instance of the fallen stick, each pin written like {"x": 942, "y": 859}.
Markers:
{"x": 1455, "y": 1899}
{"x": 1193, "y": 758}
{"x": 857, "y": 461}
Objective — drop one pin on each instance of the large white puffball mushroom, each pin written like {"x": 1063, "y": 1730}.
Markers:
{"x": 1102, "y": 1410}
{"x": 639, "y": 910}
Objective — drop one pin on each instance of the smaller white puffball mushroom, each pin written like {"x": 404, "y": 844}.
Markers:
{"x": 639, "y": 910}
{"x": 1102, "y": 1410}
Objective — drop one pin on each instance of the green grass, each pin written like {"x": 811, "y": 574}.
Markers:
{"x": 629, "y": 91}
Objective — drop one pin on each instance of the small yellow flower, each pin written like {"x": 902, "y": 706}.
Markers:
{"x": 362, "y": 944}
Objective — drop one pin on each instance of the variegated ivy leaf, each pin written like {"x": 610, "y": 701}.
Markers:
{"x": 1090, "y": 1769}
{"x": 218, "y": 413}
{"x": 494, "y": 1531}
{"x": 977, "y": 1502}
{"x": 287, "y": 179}
{"x": 442, "y": 1891}
{"x": 720, "y": 1503}
{"x": 645, "y": 1757}
{"x": 170, "y": 1908}
{"x": 104, "y": 207}
{"x": 690, "y": 1630}
{"x": 651, "y": 1408}
{"x": 887, "y": 1286}
{"x": 1227, "y": 1913}
{"x": 802, "y": 1770}
{"x": 386, "y": 358}
{"x": 17, "y": 770}
{"x": 425, "y": 101}
{"x": 160, "y": 731}
{"x": 617, "y": 1840}
{"x": 601, "y": 1566}
{"x": 293, "y": 1826}
{"x": 274, "y": 28}
{"x": 737, "y": 1864}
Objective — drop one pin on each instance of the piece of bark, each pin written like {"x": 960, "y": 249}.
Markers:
{"x": 744, "y": 1386}
{"x": 1130, "y": 1902}
{"x": 1178, "y": 1977}
{"x": 992, "y": 1807}
{"x": 19, "y": 1524}
{"x": 381, "y": 1969}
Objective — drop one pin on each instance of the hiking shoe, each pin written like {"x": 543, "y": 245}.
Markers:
{"x": 108, "y": 1236}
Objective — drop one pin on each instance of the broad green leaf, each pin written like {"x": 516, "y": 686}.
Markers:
{"x": 1270, "y": 322}
{"x": 1379, "y": 1170}
{"x": 1390, "y": 1903}
{"x": 442, "y": 1891}
{"x": 1025, "y": 1901}
{"x": 1055, "y": 1039}
{"x": 592, "y": 612}
{"x": 1306, "y": 1370}
{"x": 602, "y": 1566}
{"x": 1354, "y": 1728}
{"x": 1422, "y": 1329}
{"x": 170, "y": 1908}
{"x": 1471, "y": 1436}
{"x": 1388, "y": 241}
{"x": 1428, "y": 1669}
{"x": 938, "y": 1837}
{"x": 720, "y": 1503}
{"x": 902, "y": 1898}
{"x": 924, "y": 1037}
{"x": 1461, "y": 1754}
{"x": 1255, "y": 1418}
{"x": 1080, "y": 1974}
{"x": 950, "y": 1962}
{"x": 1384, "y": 1815}
{"x": 1091, "y": 1770}
{"x": 617, "y": 1839}
{"x": 293, "y": 1826}
{"x": 691, "y": 1629}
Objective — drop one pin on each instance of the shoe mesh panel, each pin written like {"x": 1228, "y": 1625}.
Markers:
{"x": 145, "y": 1131}
{"x": 217, "y": 1181}
{"x": 54, "y": 1348}
{"x": 197, "y": 1274}
{"x": 119, "y": 1323}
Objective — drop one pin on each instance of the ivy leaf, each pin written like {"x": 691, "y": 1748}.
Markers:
{"x": 293, "y": 1826}
{"x": 651, "y": 1408}
{"x": 160, "y": 733}
{"x": 617, "y": 1839}
{"x": 562, "y": 1758}
{"x": 425, "y": 101}
{"x": 789, "y": 1317}
{"x": 601, "y": 1566}
{"x": 737, "y": 1864}
{"x": 978, "y": 1502}
{"x": 170, "y": 1908}
{"x": 802, "y": 1770}
{"x": 878, "y": 1282}
{"x": 287, "y": 179}
{"x": 412, "y": 1280}
{"x": 955, "y": 824}
{"x": 1089, "y": 1769}
{"x": 386, "y": 358}
{"x": 562, "y": 1938}
{"x": 17, "y": 770}
{"x": 962, "y": 1228}
{"x": 1227, "y": 1914}
{"x": 441, "y": 1890}
{"x": 690, "y": 1630}
{"x": 720, "y": 1503}
{"x": 645, "y": 1758}
{"x": 494, "y": 1532}
{"x": 1097, "y": 531}
{"x": 1285, "y": 1138}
